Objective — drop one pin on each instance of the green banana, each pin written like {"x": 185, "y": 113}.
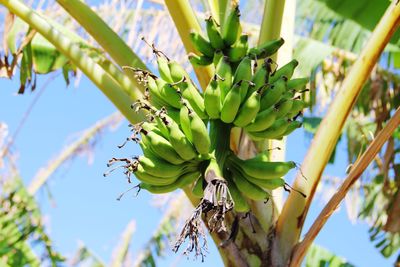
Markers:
{"x": 159, "y": 167}
{"x": 262, "y": 169}
{"x": 177, "y": 72}
{"x": 201, "y": 139}
{"x": 212, "y": 99}
{"x": 162, "y": 148}
{"x": 213, "y": 34}
{"x": 266, "y": 49}
{"x": 217, "y": 57}
{"x": 231, "y": 104}
{"x": 249, "y": 109}
{"x": 269, "y": 184}
{"x": 143, "y": 176}
{"x": 286, "y": 70}
{"x": 155, "y": 92}
{"x": 224, "y": 72}
{"x": 199, "y": 60}
{"x": 231, "y": 27}
{"x": 261, "y": 76}
{"x": 273, "y": 94}
{"x": 163, "y": 69}
{"x": 170, "y": 95}
{"x": 248, "y": 188}
{"x": 240, "y": 202}
{"x": 239, "y": 49}
{"x": 201, "y": 44}
{"x": 181, "y": 182}
{"x": 274, "y": 132}
{"x": 197, "y": 188}
{"x": 173, "y": 113}
{"x": 298, "y": 84}
{"x": 283, "y": 107}
{"x": 195, "y": 99}
{"x": 179, "y": 141}
{"x": 263, "y": 120}
{"x": 298, "y": 105}
{"x": 185, "y": 121}
{"x": 243, "y": 71}
{"x": 291, "y": 127}
{"x": 161, "y": 127}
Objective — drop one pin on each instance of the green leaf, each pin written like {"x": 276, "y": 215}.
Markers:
{"x": 366, "y": 13}
{"x": 310, "y": 53}
{"x": 319, "y": 256}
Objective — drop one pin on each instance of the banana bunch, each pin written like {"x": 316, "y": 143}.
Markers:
{"x": 180, "y": 140}
{"x": 253, "y": 178}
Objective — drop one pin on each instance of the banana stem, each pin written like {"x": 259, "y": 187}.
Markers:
{"x": 105, "y": 36}
{"x": 220, "y": 140}
{"x": 295, "y": 210}
{"x": 90, "y": 68}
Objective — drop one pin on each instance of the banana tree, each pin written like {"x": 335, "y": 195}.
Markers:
{"x": 214, "y": 139}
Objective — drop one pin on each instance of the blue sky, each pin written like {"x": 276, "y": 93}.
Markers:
{"x": 84, "y": 205}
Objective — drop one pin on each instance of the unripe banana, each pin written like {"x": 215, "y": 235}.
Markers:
{"x": 201, "y": 44}
{"x": 260, "y": 78}
{"x": 170, "y": 95}
{"x": 286, "y": 70}
{"x": 273, "y": 94}
{"x": 283, "y": 107}
{"x": 213, "y": 34}
{"x": 231, "y": 27}
{"x": 266, "y": 49}
{"x": 197, "y": 188}
{"x": 298, "y": 105}
{"x": 240, "y": 202}
{"x": 243, "y": 71}
{"x": 199, "y": 60}
{"x": 179, "y": 141}
{"x": 217, "y": 57}
{"x": 145, "y": 177}
{"x": 248, "y": 111}
{"x": 231, "y": 104}
{"x": 201, "y": 139}
{"x": 291, "y": 127}
{"x": 263, "y": 120}
{"x": 244, "y": 89}
{"x": 161, "y": 127}
{"x": 248, "y": 188}
{"x": 159, "y": 167}
{"x": 297, "y": 84}
{"x": 239, "y": 49}
{"x": 224, "y": 72}
{"x": 181, "y": 182}
{"x": 177, "y": 72}
{"x": 269, "y": 184}
{"x": 185, "y": 121}
{"x": 163, "y": 69}
{"x": 161, "y": 147}
{"x": 195, "y": 99}
{"x": 262, "y": 169}
{"x": 173, "y": 113}
{"x": 212, "y": 99}
{"x": 155, "y": 92}
{"x": 274, "y": 132}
